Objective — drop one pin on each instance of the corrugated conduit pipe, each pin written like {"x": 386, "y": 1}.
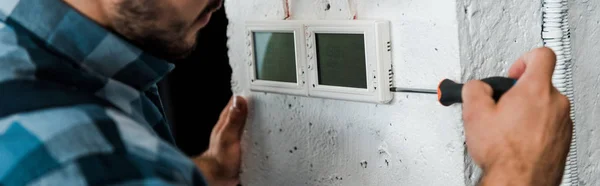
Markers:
{"x": 556, "y": 35}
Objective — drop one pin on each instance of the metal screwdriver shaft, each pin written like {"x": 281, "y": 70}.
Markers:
{"x": 413, "y": 90}
{"x": 450, "y": 92}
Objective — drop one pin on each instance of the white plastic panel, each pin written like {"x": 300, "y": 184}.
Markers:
{"x": 276, "y": 57}
{"x": 345, "y": 60}
{"x": 364, "y": 65}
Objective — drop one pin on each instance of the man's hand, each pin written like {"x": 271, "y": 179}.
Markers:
{"x": 524, "y": 138}
{"x": 220, "y": 164}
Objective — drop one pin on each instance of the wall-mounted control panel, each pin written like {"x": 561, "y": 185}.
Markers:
{"x": 345, "y": 60}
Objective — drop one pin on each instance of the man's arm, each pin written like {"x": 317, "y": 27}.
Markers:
{"x": 524, "y": 138}
{"x": 94, "y": 145}
{"x": 87, "y": 145}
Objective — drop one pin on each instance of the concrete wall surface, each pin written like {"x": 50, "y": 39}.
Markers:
{"x": 585, "y": 31}
{"x": 495, "y": 33}
{"x": 293, "y": 140}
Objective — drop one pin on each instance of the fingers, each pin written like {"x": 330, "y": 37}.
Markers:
{"x": 238, "y": 111}
{"x": 223, "y": 117}
{"x": 477, "y": 100}
{"x": 563, "y": 102}
{"x": 517, "y": 69}
{"x": 536, "y": 66}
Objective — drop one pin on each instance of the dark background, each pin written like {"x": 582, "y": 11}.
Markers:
{"x": 199, "y": 88}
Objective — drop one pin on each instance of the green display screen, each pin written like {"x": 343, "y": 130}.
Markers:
{"x": 275, "y": 56}
{"x": 341, "y": 60}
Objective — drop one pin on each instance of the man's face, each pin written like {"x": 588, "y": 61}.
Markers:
{"x": 165, "y": 28}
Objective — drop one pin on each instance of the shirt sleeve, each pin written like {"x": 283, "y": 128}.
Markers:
{"x": 88, "y": 145}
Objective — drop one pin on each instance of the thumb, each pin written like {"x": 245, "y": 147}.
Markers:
{"x": 238, "y": 111}
{"x": 537, "y": 65}
{"x": 477, "y": 100}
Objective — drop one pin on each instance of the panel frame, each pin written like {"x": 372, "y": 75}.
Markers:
{"x": 300, "y": 87}
{"x": 377, "y": 53}
{"x": 378, "y": 60}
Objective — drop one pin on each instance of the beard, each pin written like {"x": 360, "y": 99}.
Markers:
{"x": 139, "y": 21}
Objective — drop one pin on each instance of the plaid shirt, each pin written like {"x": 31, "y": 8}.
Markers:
{"x": 79, "y": 105}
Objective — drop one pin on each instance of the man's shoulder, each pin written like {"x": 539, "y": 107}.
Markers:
{"x": 86, "y": 143}
{"x": 32, "y": 77}
{"x": 15, "y": 60}
{"x": 47, "y": 139}
{"x": 26, "y": 95}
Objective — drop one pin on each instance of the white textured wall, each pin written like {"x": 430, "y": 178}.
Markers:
{"x": 310, "y": 141}
{"x": 493, "y": 34}
{"x": 585, "y": 32}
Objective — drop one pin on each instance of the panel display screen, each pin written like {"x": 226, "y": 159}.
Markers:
{"x": 275, "y": 56}
{"x": 341, "y": 60}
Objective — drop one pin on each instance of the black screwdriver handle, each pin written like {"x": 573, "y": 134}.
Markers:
{"x": 450, "y": 92}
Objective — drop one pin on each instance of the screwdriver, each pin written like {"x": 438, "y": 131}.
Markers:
{"x": 450, "y": 92}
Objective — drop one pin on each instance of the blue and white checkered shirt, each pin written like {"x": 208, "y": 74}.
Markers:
{"x": 79, "y": 105}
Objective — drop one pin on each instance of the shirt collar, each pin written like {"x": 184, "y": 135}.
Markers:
{"x": 84, "y": 42}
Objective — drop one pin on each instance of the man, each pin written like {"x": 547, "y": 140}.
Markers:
{"x": 79, "y": 103}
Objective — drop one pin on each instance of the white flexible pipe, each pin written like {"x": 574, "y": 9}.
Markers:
{"x": 556, "y": 35}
